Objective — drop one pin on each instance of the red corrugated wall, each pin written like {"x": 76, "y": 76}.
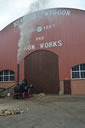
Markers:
{"x": 69, "y": 29}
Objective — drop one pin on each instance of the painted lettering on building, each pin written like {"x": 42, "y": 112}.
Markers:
{"x": 45, "y": 45}
{"x": 46, "y": 27}
{"x": 54, "y": 12}
{"x": 58, "y": 12}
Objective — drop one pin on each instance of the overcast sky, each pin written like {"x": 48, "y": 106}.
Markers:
{"x": 10, "y": 10}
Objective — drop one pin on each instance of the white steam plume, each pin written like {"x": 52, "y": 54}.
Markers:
{"x": 27, "y": 27}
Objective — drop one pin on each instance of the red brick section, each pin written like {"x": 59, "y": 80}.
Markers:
{"x": 6, "y": 84}
{"x": 78, "y": 87}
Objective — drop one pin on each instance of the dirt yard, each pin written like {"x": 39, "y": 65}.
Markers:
{"x": 45, "y": 112}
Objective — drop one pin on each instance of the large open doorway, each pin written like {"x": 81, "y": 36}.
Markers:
{"x": 42, "y": 68}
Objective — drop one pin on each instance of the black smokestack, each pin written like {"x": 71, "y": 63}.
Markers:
{"x": 17, "y": 73}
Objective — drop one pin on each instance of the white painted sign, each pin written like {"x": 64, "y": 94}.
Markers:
{"x": 54, "y": 12}
{"x": 40, "y": 38}
{"x": 58, "y": 12}
{"x": 46, "y": 27}
{"x": 39, "y": 29}
{"x": 45, "y": 45}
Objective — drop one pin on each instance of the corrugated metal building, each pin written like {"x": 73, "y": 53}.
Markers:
{"x": 55, "y": 58}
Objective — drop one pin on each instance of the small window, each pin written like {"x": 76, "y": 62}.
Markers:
{"x": 82, "y": 74}
{"x": 6, "y": 75}
{"x": 82, "y": 66}
{"x": 78, "y": 71}
{"x": 75, "y": 74}
{"x": 75, "y": 68}
{"x": 1, "y": 78}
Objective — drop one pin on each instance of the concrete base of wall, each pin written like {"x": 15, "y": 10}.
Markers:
{"x": 77, "y": 86}
{"x": 61, "y": 86}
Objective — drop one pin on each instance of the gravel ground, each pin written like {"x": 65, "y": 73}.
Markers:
{"x": 45, "y": 112}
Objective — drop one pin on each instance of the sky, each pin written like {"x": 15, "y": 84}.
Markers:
{"x": 10, "y": 10}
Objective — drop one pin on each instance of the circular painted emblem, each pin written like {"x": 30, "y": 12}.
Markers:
{"x": 39, "y": 29}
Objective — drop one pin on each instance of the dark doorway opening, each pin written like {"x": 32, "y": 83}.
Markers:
{"x": 67, "y": 87}
{"x": 42, "y": 68}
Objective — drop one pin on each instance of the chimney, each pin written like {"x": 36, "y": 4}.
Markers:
{"x": 17, "y": 73}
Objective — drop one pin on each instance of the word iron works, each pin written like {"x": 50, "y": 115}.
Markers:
{"x": 45, "y": 45}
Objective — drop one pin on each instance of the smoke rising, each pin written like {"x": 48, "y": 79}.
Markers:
{"x": 27, "y": 27}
